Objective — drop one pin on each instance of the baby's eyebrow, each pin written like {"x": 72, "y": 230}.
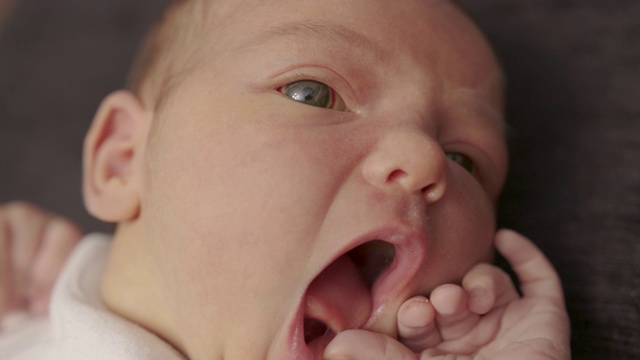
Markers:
{"x": 321, "y": 31}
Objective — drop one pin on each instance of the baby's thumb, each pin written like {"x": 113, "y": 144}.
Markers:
{"x": 536, "y": 274}
{"x": 366, "y": 345}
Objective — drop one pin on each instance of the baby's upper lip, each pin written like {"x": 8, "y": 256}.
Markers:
{"x": 340, "y": 298}
{"x": 410, "y": 245}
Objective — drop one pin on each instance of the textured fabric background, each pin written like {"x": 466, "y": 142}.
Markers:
{"x": 574, "y": 109}
{"x": 574, "y": 186}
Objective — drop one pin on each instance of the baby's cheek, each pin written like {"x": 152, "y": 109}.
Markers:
{"x": 461, "y": 234}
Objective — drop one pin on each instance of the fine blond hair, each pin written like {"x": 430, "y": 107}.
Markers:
{"x": 169, "y": 51}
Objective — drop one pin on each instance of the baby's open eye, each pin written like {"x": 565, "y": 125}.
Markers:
{"x": 463, "y": 160}
{"x": 313, "y": 93}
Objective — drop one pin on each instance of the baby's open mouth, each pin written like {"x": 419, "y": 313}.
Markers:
{"x": 372, "y": 258}
{"x": 314, "y": 329}
{"x": 352, "y": 291}
{"x": 339, "y": 298}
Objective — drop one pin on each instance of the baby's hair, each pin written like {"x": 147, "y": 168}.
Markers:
{"x": 169, "y": 50}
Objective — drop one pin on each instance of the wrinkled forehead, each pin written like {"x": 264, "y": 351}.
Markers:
{"x": 414, "y": 28}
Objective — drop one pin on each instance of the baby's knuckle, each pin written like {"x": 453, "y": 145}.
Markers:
{"x": 20, "y": 209}
{"x": 60, "y": 228}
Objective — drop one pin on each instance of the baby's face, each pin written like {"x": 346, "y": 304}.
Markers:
{"x": 326, "y": 160}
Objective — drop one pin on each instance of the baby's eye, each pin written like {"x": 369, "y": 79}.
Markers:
{"x": 313, "y": 93}
{"x": 463, "y": 160}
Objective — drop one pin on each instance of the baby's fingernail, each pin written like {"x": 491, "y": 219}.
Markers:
{"x": 416, "y": 313}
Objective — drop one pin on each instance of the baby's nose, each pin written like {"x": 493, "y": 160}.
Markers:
{"x": 409, "y": 160}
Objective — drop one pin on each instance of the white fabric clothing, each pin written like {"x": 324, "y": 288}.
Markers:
{"x": 80, "y": 327}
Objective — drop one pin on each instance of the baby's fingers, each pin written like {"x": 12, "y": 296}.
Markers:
{"x": 366, "y": 345}
{"x": 58, "y": 240}
{"x": 416, "y": 324}
{"x": 33, "y": 247}
{"x": 21, "y": 227}
{"x": 537, "y": 275}
{"x": 453, "y": 317}
{"x": 487, "y": 287}
{"x": 7, "y": 294}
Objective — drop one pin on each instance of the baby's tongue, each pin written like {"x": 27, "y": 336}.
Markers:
{"x": 339, "y": 296}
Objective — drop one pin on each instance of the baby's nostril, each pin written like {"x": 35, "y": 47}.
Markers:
{"x": 372, "y": 258}
{"x": 314, "y": 329}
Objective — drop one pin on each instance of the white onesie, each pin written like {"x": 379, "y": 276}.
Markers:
{"x": 80, "y": 327}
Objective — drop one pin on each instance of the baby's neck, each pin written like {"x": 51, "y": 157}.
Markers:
{"x": 129, "y": 284}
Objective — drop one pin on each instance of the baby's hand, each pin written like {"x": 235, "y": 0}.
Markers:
{"x": 483, "y": 318}
{"x": 33, "y": 248}
{"x": 453, "y": 312}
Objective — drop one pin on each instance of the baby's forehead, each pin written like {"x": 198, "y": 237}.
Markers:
{"x": 397, "y": 26}
{"x": 247, "y": 17}
{"x": 331, "y": 29}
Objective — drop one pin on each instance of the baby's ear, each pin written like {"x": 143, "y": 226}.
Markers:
{"x": 113, "y": 149}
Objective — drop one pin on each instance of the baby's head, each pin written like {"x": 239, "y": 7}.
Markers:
{"x": 172, "y": 48}
{"x": 284, "y": 161}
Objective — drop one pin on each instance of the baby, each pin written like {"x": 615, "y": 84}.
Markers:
{"x": 293, "y": 180}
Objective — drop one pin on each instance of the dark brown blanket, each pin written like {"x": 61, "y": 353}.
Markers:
{"x": 574, "y": 108}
